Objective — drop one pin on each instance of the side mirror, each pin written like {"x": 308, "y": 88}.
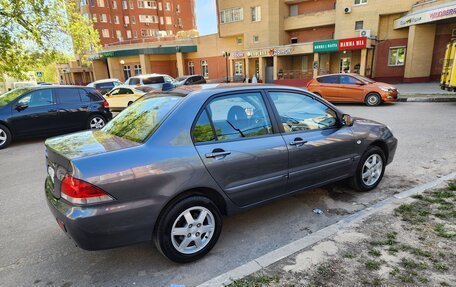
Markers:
{"x": 21, "y": 106}
{"x": 359, "y": 83}
{"x": 347, "y": 120}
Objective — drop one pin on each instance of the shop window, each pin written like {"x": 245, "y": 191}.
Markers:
{"x": 359, "y": 25}
{"x": 294, "y": 40}
{"x": 294, "y": 10}
{"x": 396, "y": 56}
{"x": 238, "y": 68}
{"x": 359, "y": 2}
{"x": 191, "y": 68}
{"x": 256, "y": 13}
{"x": 204, "y": 68}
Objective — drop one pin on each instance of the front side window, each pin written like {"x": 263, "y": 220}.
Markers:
{"x": 348, "y": 80}
{"x": 239, "y": 116}
{"x": 10, "y": 96}
{"x": 39, "y": 98}
{"x": 396, "y": 56}
{"x": 299, "y": 112}
{"x": 139, "y": 121}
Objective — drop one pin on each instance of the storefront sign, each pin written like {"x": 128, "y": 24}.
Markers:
{"x": 263, "y": 53}
{"x": 449, "y": 11}
{"x": 326, "y": 46}
{"x": 352, "y": 44}
{"x": 237, "y": 54}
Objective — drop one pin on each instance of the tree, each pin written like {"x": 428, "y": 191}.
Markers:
{"x": 38, "y": 32}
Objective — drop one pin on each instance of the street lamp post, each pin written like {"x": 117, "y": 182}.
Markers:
{"x": 226, "y": 55}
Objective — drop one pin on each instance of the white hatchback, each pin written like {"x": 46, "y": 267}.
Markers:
{"x": 151, "y": 80}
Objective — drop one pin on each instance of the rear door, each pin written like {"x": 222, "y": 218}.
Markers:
{"x": 73, "y": 112}
{"x": 351, "y": 89}
{"x": 237, "y": 142}
{"x": 320, "y": 148}
{"x": 328, "y": 87}
{"x": 35, "y": 113}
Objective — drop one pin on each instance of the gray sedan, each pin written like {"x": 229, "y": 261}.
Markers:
{"x": 170, "y": 165}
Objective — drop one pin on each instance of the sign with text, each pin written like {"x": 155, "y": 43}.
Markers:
{"x": 326, "y": 46}
{"x": 448, "y": 11}
{"x": 352, "y": 44}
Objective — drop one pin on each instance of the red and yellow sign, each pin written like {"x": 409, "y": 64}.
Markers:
{"x": 352, "y": 44}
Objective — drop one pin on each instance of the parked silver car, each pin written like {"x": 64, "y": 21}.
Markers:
{"x": 150, "y": 80}
{"x": 170, "y": 165}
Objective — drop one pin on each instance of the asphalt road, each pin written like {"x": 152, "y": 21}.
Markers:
{"x": 35, "y": 252}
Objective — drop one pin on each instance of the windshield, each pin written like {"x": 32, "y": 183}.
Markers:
{"x": 364, "y": 79}
{"x": 139, "y": 120}
{"x": 8, "y": 97}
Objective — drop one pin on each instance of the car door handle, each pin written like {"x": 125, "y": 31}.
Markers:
{"x": 218, "y": 153}
{"x": 298, "y": 142}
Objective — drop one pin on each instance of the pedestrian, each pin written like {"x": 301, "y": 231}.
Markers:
{"x": 254, "y": 79}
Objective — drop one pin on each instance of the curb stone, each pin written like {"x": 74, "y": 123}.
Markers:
{"x": 428, "y": 99}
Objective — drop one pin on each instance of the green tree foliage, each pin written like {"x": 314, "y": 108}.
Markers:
{"x": 37, "y": 32}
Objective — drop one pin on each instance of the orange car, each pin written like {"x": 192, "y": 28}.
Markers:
{"x": 352, "y": 88}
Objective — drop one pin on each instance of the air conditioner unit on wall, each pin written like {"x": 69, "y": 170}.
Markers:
{"x": 347, "y": 10}
{"x": 365, "y": 33}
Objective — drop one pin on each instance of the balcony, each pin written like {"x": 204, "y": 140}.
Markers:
{"x": 309, "y": 20}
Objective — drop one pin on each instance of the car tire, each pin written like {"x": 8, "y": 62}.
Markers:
{"x": 129, "y": 103}
{"x": 96, "y": 122}
{"x": 367, "y": 178}
{"x": 191, "y": 241}
{"x": 5, "y": 137}
{"x": 373, "y": 99}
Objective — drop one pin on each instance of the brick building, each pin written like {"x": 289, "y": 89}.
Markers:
{"x": 139, "y": 21}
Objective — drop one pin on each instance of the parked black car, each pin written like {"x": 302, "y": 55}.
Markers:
{"x": 191, "y": 80}
{"x": 49, "y": 110}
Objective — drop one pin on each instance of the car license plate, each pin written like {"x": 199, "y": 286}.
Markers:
{"x": 51, "y": 173}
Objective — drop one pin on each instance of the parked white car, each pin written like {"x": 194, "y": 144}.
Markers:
{"x": 150, "y": 80}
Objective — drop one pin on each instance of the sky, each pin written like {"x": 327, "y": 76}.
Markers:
{"x": 206, "y": 17}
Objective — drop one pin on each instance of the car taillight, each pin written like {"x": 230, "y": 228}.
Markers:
{"x": 308, "y": 83}
{"x": 80, "y": 192}
{"x": 105, "y": 104}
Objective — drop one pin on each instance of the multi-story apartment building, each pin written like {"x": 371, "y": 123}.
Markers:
{"x": 138, "y": 21}
{"x": 291, "y": 41}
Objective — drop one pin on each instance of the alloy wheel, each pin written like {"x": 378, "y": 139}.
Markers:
{"x": 193, "y": 230}
{"x": 373, "y": 100}
{"x": 3, "y": 137}
{"x": 97, "y": 123}
{"x": 372, "y": 169}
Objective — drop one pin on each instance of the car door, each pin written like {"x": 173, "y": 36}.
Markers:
{"x": 116, "y": 98}
{"x": 241, "y": 149}
{"x": 35, "y": 113}
{"x": 328, "y": 87}
{"x": 351, "y": 89}
{"x": 73, "y": 113}
{"x": 321, "y": 149}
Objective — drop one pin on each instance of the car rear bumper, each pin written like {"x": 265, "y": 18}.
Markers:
{"x": 104, "y": 226}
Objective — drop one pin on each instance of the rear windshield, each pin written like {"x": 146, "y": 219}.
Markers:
{"x": 8, "y": 97}
{"x": 139, "y": 120}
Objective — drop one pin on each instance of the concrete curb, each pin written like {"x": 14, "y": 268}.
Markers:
{"x": 300, "y": 244}
{"x": 427, "y": 99}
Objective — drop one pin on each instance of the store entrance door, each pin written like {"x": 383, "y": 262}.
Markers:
{"x": 344, "y": 65}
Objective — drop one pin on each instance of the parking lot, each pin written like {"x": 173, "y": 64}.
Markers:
{"x": 35, "y": 252}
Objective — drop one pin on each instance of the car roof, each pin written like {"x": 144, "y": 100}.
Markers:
{"x": 105, "y": 81}
{"x": 150, "y": 75}
{"x": 40, "y": 87}
{"x": 338, "y": 74}
{"x": 126, "y": 87}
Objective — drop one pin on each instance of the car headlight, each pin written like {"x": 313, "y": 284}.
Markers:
{"x": 385, "y": 89}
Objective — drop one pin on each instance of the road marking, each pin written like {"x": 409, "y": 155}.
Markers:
{"x": 300, "y": 244}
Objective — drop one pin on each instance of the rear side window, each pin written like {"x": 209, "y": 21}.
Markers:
{"x": 328, "y": 80}
{"x": 68, "y": 95}
{"x": 133, "y": 81}
{"x": 153, "y": 80}
{"x": 89, "y": 95}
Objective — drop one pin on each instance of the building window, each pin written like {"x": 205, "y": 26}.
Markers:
{"x": 294, "y": 10}
{"x": 128, "y": 34}
{"x": 148, "y": 19}
{"x": 127, "y": 72}
{"x": 133, "y": 19}
{"x": 162, "y": 22}
{"x": 116, "y": 19}
{"x": 92, "y": 3}
{"x": 204, "y": 68}
{"x": 126, "y": 20}
{"x": 191, "y": 68}
{"x": 396, "y": 56}
{"x": 114, "y": 4}
{"x": 238, "y": 68}
{"x": 103, "y": 18}
{"x": 294, "y": 40}
{"x": 94, "y": 18}
{"x": 140, "y": 4}
{"x": 359, "y": 2}
{"x": 169, "y": 20}
{"x": 135, "y": 34}
{"x": 178, "y": 8}
{"x": 105, "y": 33}
{"x": 160, "y": 7}
{"x": 119, "y": 35}
{"x": 256, "y": 39}
{"x": 124, "y": 4}
{"x": 179, "y": 23}
{"x": 132, "y": 5}
{"x": 168, "y": 6}
{"x": 231, "y": 15}
{"x": 256, "y": 13}
{"x": 100, "y": 3}
{"x": 84, "y": 2}
{"x": 359, "y": 25}
{"x": 138, "y": 70}
{"x": 150, "y": 4}
{"x": 239, "y": 40}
